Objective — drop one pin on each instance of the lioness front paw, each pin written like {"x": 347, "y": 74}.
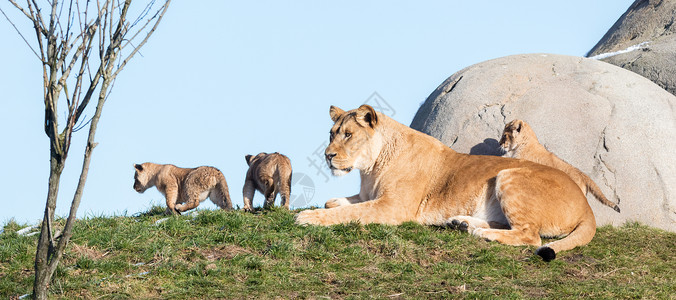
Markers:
{"x": 308, "y": 217}
{"x": 335, "y": 202}
{"x": 459, "y": 225}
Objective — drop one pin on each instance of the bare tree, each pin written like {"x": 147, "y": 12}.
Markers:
{"x": 68, "y": 41}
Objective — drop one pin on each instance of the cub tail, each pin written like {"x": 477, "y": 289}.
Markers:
{"x": 596, "y": 191}
{"x": 224, "y": 194}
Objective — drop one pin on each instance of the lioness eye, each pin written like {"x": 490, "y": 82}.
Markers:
{"x": 348, "y": 135}
{"x": 330, "y": 136}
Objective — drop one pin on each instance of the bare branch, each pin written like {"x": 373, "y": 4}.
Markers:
{"x": 136, "y": 49}
{"x": 29, "y": 16}
{"x": 19, "y": 32}
{"x": 38, "y": 17}
{"x": 143, "y": 14}
{"x": 86, "y": 44}
{"x": 83, "y": 124}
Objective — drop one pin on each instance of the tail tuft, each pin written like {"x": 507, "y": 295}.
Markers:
{"x": 546, "y": 253}
{"x": 616, "y": 208}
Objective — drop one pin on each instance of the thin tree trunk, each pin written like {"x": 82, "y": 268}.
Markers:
{"x": 45, "y": 242}
{"x": 53, "y": 58}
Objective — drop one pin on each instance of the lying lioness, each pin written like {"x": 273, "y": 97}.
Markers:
{"x": 410, "y": 176}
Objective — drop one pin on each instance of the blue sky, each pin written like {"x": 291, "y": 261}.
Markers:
{"x": 222, "y": 79}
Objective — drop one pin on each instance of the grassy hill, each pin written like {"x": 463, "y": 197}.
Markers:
{"x": 218, "y": 254}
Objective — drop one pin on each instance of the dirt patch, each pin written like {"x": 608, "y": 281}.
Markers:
{"x": 226, "y": 251}
{"x": 88, "y": 252}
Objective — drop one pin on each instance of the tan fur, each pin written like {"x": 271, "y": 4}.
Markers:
{"x": 270, "y": 174}
{"x": 519, "y": 141}
{"x": 410, "y": 176}
{"x": 183, "y": 188}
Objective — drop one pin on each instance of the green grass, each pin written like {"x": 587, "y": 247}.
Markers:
{"x": 241, "y": 255}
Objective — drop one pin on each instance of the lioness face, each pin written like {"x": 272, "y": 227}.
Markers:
{"x": 141, "y": 178}
{"x": 511, "y": 135}
{"x": 351, "y": 140}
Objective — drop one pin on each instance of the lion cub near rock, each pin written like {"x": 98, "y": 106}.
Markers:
{"x": 519, "y": 141}
{"x": 183, "y": 188}
{"x": 270, "y": 174}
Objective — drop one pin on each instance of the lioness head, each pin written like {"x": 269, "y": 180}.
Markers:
{"x": 353, "y": 141}
{"x": 141, "y": 177}
{"x": 515, "y": 134}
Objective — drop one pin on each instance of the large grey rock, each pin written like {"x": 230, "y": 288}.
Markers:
{"x": 648, "y": 28}
{"x": 614, "y": 125}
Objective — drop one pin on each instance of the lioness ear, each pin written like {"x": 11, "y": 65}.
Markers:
{"x": 248, "y": 159}
{"x": 335, "y": 113}
{"x": 138, "y": 167}
{"x": 368, "y": 115}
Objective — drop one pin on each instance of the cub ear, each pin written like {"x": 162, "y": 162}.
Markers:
{"x": 368, "y": 115}
{"x": 248, "y": 159}
{"x": 335, "y": 113}
{"x": 138, "y": 167}
{"x": 518, "y": 124}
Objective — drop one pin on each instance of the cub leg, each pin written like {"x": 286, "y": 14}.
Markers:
{"x": 285, "y": 192}
{"x": 193, "y": 200}
{"x": 269, "y": 191}
{"x": 249, "y": 190}
{"x": 171, "y": 195}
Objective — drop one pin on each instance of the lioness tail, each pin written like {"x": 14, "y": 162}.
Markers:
{"x": 581, "y": 235}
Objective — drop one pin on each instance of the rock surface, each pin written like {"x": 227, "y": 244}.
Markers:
{"x": 614, "y": 125}
{"x": 650, "y": 24}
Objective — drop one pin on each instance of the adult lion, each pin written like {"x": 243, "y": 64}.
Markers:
{"x": 410, "y": 176}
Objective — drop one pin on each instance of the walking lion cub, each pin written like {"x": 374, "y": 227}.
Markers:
{"x": 270, "y": 174}
{"x": 519, "y": 141}
{"x": 183, "y": 188}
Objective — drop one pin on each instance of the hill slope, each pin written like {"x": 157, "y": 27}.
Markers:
{"x": 219, "y": 254}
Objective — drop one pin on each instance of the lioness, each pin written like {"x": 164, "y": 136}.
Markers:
{"x": 270, "y": 174}
{"x": 410, "y": 176}
{"x": 519, "y": 141}
{"x": 183, "y": 188}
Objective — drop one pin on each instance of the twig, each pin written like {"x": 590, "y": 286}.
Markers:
{"x": 19, "y": 32}
{"x": 613, "y": 271}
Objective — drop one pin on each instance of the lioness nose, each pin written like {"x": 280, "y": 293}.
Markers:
{"x": 330, "y": 156}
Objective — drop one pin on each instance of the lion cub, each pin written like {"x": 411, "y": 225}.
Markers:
{"x": 183, "y": 188}
{"x": 270, "y": 174}
{"x": 519, "y": 141}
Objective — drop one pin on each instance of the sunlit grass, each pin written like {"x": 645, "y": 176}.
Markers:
{"x": 218, "y": 254}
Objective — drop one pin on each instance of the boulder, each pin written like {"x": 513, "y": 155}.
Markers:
{"x": 643, "y": 40}
{"x": 614, "y": 125}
